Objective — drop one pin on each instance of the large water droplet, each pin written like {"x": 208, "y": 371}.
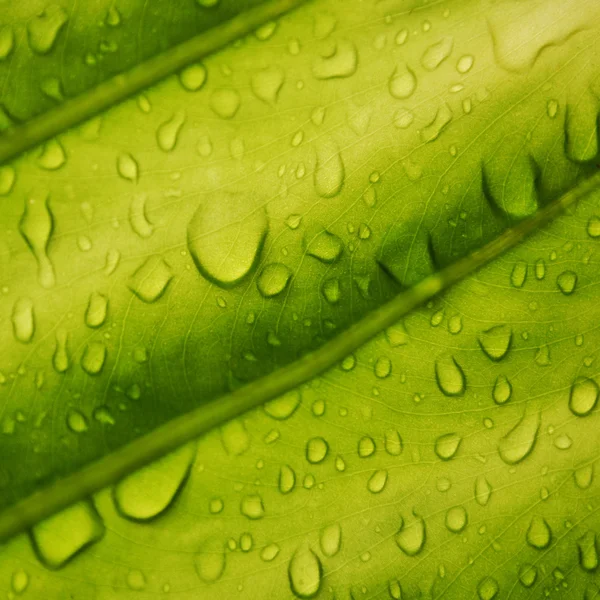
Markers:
{"x": 442, "y": 119}
{"x": 285, "y": 406}
{"x": 411, "y": 536}
{"x": 43, "y": 30}
{"x": 97, "y": 310}
{"x": 456, "y": 519}
{"x": 94, "y": 357}
{"x": 402, "y": 83}
{"x": 192, "y": 78}
{"x": 566, "y": 282}
{"x": 377, "y": 481}
{"x": 287, "y": 479}
{"x": 583, "y": 396}
{"x": 502, "y": 390}
{"x": 235, "y": 437}
{"x": 437, "y": 53}
{"x": 150, "y": 281}
{"x": 149, "y": 492}
{"x": 539, "y": 534}
{"x": 23, "y": 320}
{"x": 225, "y": 102}
{"x": 446, "y": 446}
{"x": 340, "y": 61}
{"x": 519, "y": 442}
{"x": 59, "y": 538}
{"x": 305, "y": 572}
{"x": 496, "y": 342}
{"x": 449, "y": 376}
{"x": 329, "y": 169}
{"x": 210, "y": 560}
{"x": 273, "y": 279}
{"x": 252, "y": 507}
{"x": 52, "y": 157}
{"x": 316, "y": 450}
{"x": 325, "y": 246}
{"x": 267, "y": 83}
{"x": 36, "y": 227}
{"x": 331, "y": 539}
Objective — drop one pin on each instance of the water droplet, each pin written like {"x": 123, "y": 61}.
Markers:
{"x": 287, "y": 479}
{"x": 393, "y": 443}
{"x": 518, "y": 275}
{"x": 246, "y": 542}
{"x": 519, "y": 442}
{"x": 19, "y": 581}
{"x": 235, "y": 437}
{"x": 7, "y": 179}
{"x": 151, "y": 279}
{"x": 583, "y": 397}
{"x": 487, "y": 589}
{"x": 542, "y": 356}
{"x": 60, "y": 358}
{"x": 127, "y": 167}
{"x": 540, "y": 269}
{"x": 331, "y": 539}
{"x": 52, "y": 157}
{"x": 340, "y": 61}
{"x": 566, "y": 282}
{"x": 210, "y": 560}
{"x": 168, "y": 132}
{"x": 252, "y": 507}
{"x": 150, "y": 491}
{"x": 193, "y": 78}
{"x": 326, "y": 247}
{"x": 366, "y": 446}
{"x": 496, "y": 341}
{"x": 59, "y": 538}
{"x": 331, "y": 290}
{"x": 588, "y": 551}
{"x": 446, "y": 446}
{"x": 265, "y": 31}
{"x": 593, "y": 227}
{"x": 316, "y": 450}
{"x": 383, "y": 367}
{"x": 502, "y": 390}
{"x": 225, "y": 250}
{"x": 43, "y": 30}
{"x": 76, "y": 421}
{"x": 483, "y": 490}
{"x": 329, "y": 169}
{"x": 267, "y": 83}
{"x": 456, "y": 519}
{"x": 225, "y": 102}
{"x": 377, "y": 481}
{"x": 273, "y": 279}
{"x": 442, "y": 118}
{"x": 402, "y": 83}
{"x": 411, "y": 536}
{"x": 450, "y": 377}
{"x": 465, "y": 64}
{"x": 136, "y": 580}
{"x": 539, "y": 534}
{"x": 283, "y": 407}
{"x": 7, "y": 41}
{"x": 96, "y": 311}
{"x": 527, "y": 575}
{"x": 437, "y": 53}
{"x": 584, "y": 476}
{"x": 23, "y": 320}
{"x": 305, "y": 572}
{"x": 94, "y": 356}
{"x": 36, "y": 227}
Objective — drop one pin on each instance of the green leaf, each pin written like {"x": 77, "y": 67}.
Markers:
{"x": 204, "y": 248}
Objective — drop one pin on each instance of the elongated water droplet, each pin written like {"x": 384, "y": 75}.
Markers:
{"x": 326, "y": 247}
{"x": 226, "y": 249}
{"x": 519, "y": 442}
{"x": 285, "y": 406}
{"x": 393, "y": 443}
{"x": 94, "y": 357}
{"x": 383, "y": 367}
{"x": 450, "y": 377}
{"x": 518, "y": 274}
{"x": 210, "y": 561}
{"x": 59, "y": 538}
{"x": 305, "y": 573}
{"x": 566, "y": 282}
{"x": 411, "y": 536}
{"x": 19, "y": 581}
{"x": 149, "y": 492}
{"x": 137, "y": 216}
{"x": 588, "y": 551}
{"x": 225, "y": 102}
{"x": 340, "y": 61}
{"x": 60, "y": 359}
{"x": 316, "y": 450}
{"x": 483, "y": 490}
{"x": 496, "y": 341}
{"x": 437, "y": 53}
{"x": 43, "y": 30}
{"x": 502, "y": 390}
{"x": 36, "y": 227}
{"x": 331, "y": 539}
{"x": 456, "y": 519}
{"x": 270, "y": 552}
{"x": 465, "y": 64}
{"x": 402, "y": 83}
{"x": 442, "y": 119}
{"x": 273, "y": 279}
{"x": 97, "y": 310}
{"x": 539, "y": 534}
{"x": 168, "y": 132}
{"x": 583, "y": 396}
{"x": 329, "y": 169}
{"x": 150, "y": 281}
{"x": 23, "y": 320}
{"x": 287, "y": 479}
{"x": 192, "y": 78}
{"x": 377, "y": 481}
{"x": 267, "y": 83}
{"x": 446, "y": 446}
{"x": 77, "y": 421}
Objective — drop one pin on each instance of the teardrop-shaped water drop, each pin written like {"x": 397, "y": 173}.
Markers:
{"x": 331, "y": 290}
{"x": 330, "y": 539}
{"x": 411, "y": 537}
{"x": 402, "y": 83}
{"x": 496, "y": 342}
{"x": 434, "y": 128}
{"x": 94, "y": 357}
{"x": 210, "y": 561}
{"x": 519, "y": 442}
{"x": 168, "y": 132}
{"x": 377, "y": 481}
{"x": 97, "y": 310}
{"x": 450, "y": 376}
{"x": 53, "y": 156}
{"x": 539, "y": 534}
{"x": 284, "y": 406}
{"x": 252, "y": 507}
{"x": 273, "y": 279}
{"x": 527, "y": 575}
{"x": 225, "y": 102}
{"x": 235, "y": 437}
{"x": 127, "y": 167}
{"x": 43, "y": 29}
{"x": 76, "y": 421}
{"x": 437, "y": 53}
{"x": 502, "y": 390}
{"x": 329, "y": 172}
{"x": 305, "y": 573}
{"x": 19, "y": 581}
{"x": 193, "y": 77}
{"x": 446, "y": 446}
{"x": 567, "y": 282}
{"x": 341, "y": 61}
{"x": 584, "y": 476}
{"x": 150, "y": 281}
{"x": 583, "y": 396}
{"x": 488, "y": 588}
{"x": 60, "y": 359}
{"x": 266, "y": 84}
{"x": 588, "y": 551}
{"x": 383, "y": 367}
{"x": 456, "y": 519}
{"x": 137, "y": 216}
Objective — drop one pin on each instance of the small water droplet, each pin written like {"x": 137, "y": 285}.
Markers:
{"x": 540, "y": 269}
{"x": 225, "y": 102}
{"x": 76, "y": 421}
{"x": 331, "y": 290}
{"x": 583, "y": 396}
{"x": 593, "y": 227}
{"x": 366, "y": 446}
{"x": 305, "y": 573}
{"x": 446, "y": 446}
{"x": 273, "y": 279}
{"x": 7, "y": 179}
{"x": 539, "y": 534}
{"x": 440, "y": 121}
{"x": 60, "y": 358}
{"x": 487, "y": 589}
{"x": 53, "y": 156}
{"x": 483, "y": 490}
{"x": 193, "y": 77}
{"x": 127, "y": 167}
{"x": 377, "y": 481}
{"x": 235, "y": 437}
{"x": 584, "y": 476}
{"x": 97, "y": 310}
{"x": 552, "y": 108}
{"x": 23, "y": 320}
{"x": 151, "y": 279}
{"x": 136, "y": 580}
{"x": 331, "y": 539}
{"x": 502, "y": 390}
{"x": 383, "y": 367}
{"x": 7, "y": 41}
{"x": 518, "y": 275}
{"x": 496, "y": 342}
{"x": 519, "y": 442}
{"x": 465, "y": 63}
{"x": 395, "y": 589}
{"x": 267, "y": 83}
{"x": 393, "y": 443}
{"x": 287, "y": 479}
{"x": 19, "y": 581}
{"x": 566, "y": 282}
{"x": 284, "y": 406}
{"x": 456, "y": 519}
{"x": 339, "y": 61}
{"x": 168, "y": 132}
{"x": 450, "y": 376}
{"x": 527, "y": 575}
{"x": 402, "y": 83}
{"x": 588, "y": 551}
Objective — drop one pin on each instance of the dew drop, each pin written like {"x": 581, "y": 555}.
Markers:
{"x": 584, "y": 476}
{"x": 19, "y": 581}
{"x": 193, "y": 78}
{"x": 403, "y": 118}
{"x": 94, "y": 357}
{"x": 225, "y": 102}
{"x": 210, "y": 561}
{"x": 402, "y": 83}
{"x": 341, "y": 61}
{"x": 593, "y": 227}
{"x": 377, "y": 481}
{"x": 23, "y": 320}
{"x": 267, "y": 83}
{"x": 331, "y": 290}
{"x": 450, "y": 377}
{"x": 456, "y": 519}
{"x": 273, "y": 279}
{"x": 235, "y": 437}
{"x": 97, "y": 310}
{"x": 383, "y": 367}
{"x": 7, "y": 41}
{"x": 127, "y": 167}
{"x": 325, "y": 247}
{"x": 316, "y": 450}
{"x": 150, "y": 281}
{"x": 539, "y": 534}
{"x": 566, "y": 282}
{"x": 393, "y": 443}
{"x": 269, "y": 553}
{"x": 331, "y": 539}
{"x": 395, "y": 589}
{"x": 287, "y": 479}
{"x": 527, "y": 575}
{"x": 588, "y": 551}
{"x": 519, "y": 442}
{"x": 441, "y": 120}
{"x": 60, "y": 358}
{"x": 465, "y": 64}
{"x": 366, "y": 446}
{"x": 283, "y": 407}
{"x": 52, "y": 157}
{"x": 168, "y": 132}
{"x": 43, "y": 30}
{"x": 483, "y": 490}
{"x": 583, "y": 396}
{"x": 496, "y": 342}
{"x": 252, "y": 507}
{"x": 437, "y": 53}
{"x": 305, "y": 573}
{"x": 77, "y": 422}
{"x": 411, "y": 536}
{"x": 518, "y": 275}
{"x": 446, "y": 446}
{"x": 136, "y": 580}
{"x": 552, "y": 108}
{"x": 487, "y": 589}
{"x": 502, "y": 390}
{"x": 329, "y": 169}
